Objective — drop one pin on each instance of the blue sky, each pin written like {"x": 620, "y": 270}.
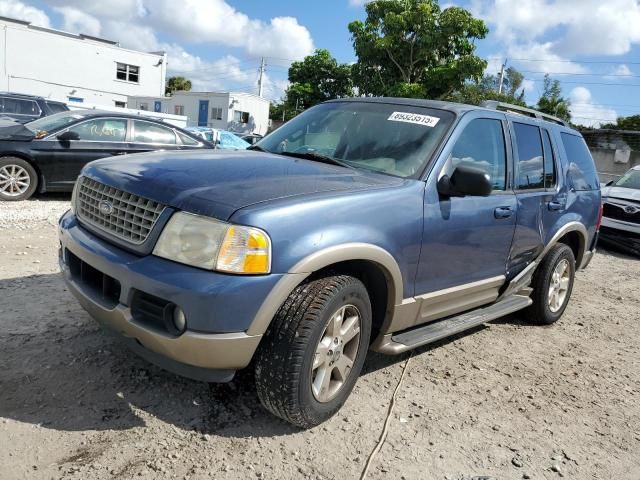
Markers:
{"x": 592, "y": 46}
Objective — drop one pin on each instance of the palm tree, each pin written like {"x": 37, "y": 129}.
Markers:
{"x": 176, "y": 84}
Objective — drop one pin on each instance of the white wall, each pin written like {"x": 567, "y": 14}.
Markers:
{"x": 58, "y": 65}
{"x": 257, "y": 107}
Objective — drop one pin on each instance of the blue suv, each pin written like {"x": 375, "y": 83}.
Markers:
{"x": 381, "y": 224}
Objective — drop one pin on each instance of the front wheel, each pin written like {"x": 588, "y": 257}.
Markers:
{"x": 313, "y": 352}
{"x": 18, "y": 179}
{"x": 552, "y": 285}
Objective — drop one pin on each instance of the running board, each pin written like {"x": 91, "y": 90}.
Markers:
{"x": 393, "y": 344}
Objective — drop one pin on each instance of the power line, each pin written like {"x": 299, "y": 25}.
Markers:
{"x": 574, "y": 61}
{"x": 590, "y": 83}
{"x": 584, "y": 74}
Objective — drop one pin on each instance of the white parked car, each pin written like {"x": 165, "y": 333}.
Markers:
{"x": 621, "y": 212}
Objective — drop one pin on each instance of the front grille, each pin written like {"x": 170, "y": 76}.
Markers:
{"x": 618, "y": 212}
{"x": 124, "y": 215}
{"x": 103, "y": 288}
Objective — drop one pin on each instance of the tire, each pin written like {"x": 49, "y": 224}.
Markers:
{"x": 18, "y": 179}
{"x": 547, "y": 308}
{"x": 299, "y": 339}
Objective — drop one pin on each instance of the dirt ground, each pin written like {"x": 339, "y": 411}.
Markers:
{"x": 505, "y": 401}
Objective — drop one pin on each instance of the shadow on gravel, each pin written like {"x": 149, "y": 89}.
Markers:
{"x": 59, "y": 370}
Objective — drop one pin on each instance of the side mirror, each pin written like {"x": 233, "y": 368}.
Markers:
{"x": 68, "y": 136}
{"x": 465, "y": 180}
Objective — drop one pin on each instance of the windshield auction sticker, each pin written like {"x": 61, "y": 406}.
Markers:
{"x": 416, "y": 118}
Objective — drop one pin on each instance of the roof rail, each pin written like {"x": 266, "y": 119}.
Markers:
{"x": 527, "y": 112}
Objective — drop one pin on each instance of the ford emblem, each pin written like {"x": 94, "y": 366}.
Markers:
{"x": 105, "y": 207}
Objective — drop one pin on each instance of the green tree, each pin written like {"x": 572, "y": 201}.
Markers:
{"x": 625, "y": 123}
{"x": 175, "y": 84}
{"x": 474, "y": 93}
{"x": 317, "y": 78}
{"x": 552, "y": 102}
{"x": 414, "y": 48}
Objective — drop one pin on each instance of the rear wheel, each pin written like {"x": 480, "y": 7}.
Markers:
{"x": 314, "y": 350}
{"x": 18, "y": 179}
{"x": 552, "y": 285}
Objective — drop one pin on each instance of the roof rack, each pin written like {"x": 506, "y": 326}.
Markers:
{"x": 518, "y": 110}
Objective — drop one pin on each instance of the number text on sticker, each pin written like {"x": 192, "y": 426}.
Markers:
{"x": 416, "y": 118}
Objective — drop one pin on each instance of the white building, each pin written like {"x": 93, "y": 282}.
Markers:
{"x": 236, "y": 111}
{"x": 75, "y": 68}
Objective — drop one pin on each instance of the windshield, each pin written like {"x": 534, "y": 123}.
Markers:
{"x": 631, "y": 179}
{"x": 54, "y": 122}
{"x": 393, "y": 139}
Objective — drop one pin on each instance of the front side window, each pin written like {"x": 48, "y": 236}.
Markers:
{"x": 187, "y": 140}
{"x": 146, "y": 132}
{"x": 481, "y": 145}
{"x": 127, "y": 73}
{"x": 582, "y": 170}
{"x": 216, "y": 113}
{"x": 530, "y": 169}
{"x": 392, "y": 139}
{"x": 102, "y": 130}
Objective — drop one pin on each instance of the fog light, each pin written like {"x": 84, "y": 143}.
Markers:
{"x": 179, "y": 320}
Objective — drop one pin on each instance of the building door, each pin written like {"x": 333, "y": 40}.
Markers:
{"x": 157, "y": 106}
{"x": 203, "y": 113}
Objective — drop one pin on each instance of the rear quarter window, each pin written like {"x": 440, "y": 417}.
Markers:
{"x": 582, "y": 171}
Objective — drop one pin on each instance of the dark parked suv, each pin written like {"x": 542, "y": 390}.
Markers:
{"x": 25, "y": 108}
{"x": 380, "y": 224}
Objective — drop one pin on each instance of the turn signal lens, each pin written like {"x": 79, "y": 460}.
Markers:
{"x": 245, "y": 250}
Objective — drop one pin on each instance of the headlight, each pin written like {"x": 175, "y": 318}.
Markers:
{"x": 214, "y": 245}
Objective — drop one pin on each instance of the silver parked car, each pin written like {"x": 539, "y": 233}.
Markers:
{"x": 621, "y": 212}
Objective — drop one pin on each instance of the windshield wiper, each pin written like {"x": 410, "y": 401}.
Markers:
{"x": 316, "y": 157}
{"x": 258, "y": 148}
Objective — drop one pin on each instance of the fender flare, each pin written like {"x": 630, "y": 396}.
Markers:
{"x": 319, "y": 260}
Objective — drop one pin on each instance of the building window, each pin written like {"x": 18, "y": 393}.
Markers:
{"x": 216, "y": 113}
{"x": 128, "y": 73}
{"x": 143, "y": 106}
{"x": 178, "y": 109}
{"x": 121, "y": 104}
{"x": 241, "y": 117}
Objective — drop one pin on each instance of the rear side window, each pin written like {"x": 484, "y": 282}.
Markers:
{"x": 20, "y": 107}
{"x": 549, "y": 161}
{"x": 530, "y": 171}
{"x": 56, "y": 107}
{"x": 582, "y": 171}
{"x": 146, "y": 132}
{"x": 481, "y": 145}
{"x": 187, "y": 140}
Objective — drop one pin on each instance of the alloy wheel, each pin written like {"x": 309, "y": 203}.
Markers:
{"x": 14, "y": 180}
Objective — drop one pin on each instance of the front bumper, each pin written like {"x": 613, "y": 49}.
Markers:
{"x": 208, "y": 352}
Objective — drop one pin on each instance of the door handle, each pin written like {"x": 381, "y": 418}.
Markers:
{"x": 555, "y": 206}
{"x": 503, "y": 212}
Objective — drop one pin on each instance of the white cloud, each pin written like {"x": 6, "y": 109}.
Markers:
{"x": 215, "y": 21}
{"x": 113, "y": 9}
{"x": 585, "y": 111}
{"x": 588, "y": 27}
{"x": 623, "y": 71}
{"x": 357, "y": 3}
{"x": 79, "y": 22}
{"x": 21, "y": 11}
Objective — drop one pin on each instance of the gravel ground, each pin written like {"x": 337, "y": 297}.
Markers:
{"x": 506, "y": 401}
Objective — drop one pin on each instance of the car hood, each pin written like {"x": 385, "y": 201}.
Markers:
{"x": 622, "y": 193}
{"x": 11, "y": 129}
{"x": 218, "y": 183}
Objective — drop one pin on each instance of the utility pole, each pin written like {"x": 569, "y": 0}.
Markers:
{"x": 260, "y": 82}
{"x": 502, "y": 75}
